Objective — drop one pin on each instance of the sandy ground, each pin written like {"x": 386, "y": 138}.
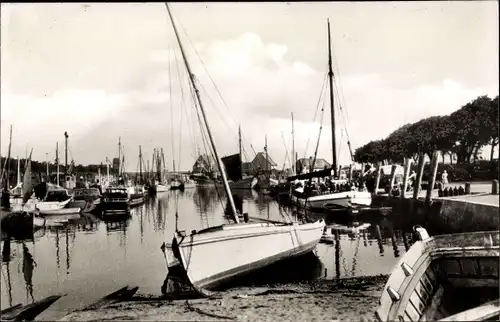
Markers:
{"x": 353, "y": 299}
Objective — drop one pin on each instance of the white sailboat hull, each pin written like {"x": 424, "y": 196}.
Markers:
{"x": 215, "y": 256}
{"x": 345, "y": 199}
{"x": 32, "y": 205}
{"x": 162, "y": 187}
{"x": 63, "y": 211}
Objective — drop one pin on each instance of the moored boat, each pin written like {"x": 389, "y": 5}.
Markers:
{"x": 115, "y": 200}
{"x": 82, "y": 196}
{"x": 176, "y": 185}
{"x": 212, "y": 256}
{"x": 341, "y": 200}
{"x": 452, "y": 277}
{"x": 136, "y": 195}
{"x": 162, "y": 187}
{"x": 64, "y": 211}
{"x": 337, "y": 192}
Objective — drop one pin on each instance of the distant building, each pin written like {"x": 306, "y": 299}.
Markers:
{"x": 204, "y": 163}
{"x": 303, "y": 165}
{"x": 259, "y": 162}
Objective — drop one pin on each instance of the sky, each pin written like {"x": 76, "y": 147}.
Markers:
{"x": 102, "y": 71}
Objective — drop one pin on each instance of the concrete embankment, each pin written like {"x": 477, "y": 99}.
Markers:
{"x": 474, "y": 212}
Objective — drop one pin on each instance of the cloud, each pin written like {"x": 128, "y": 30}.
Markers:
{"x": 104, "y": 73}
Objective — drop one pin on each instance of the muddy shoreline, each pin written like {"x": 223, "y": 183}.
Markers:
{"x": 318, "y": 300}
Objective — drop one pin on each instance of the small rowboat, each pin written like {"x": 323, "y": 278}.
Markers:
{"x": 446, "y": 277}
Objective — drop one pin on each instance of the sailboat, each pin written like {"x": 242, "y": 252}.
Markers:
{"x": 345, "y": 198}
{"x": 161, "y": 184}
{"x": 30, "y": 203}
{"x": 212, "y": 256}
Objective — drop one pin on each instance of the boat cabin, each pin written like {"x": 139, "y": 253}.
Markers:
{"x": 57, "y": 194}
{"x": 115, "y": 194}
{"x": 86, "y": 194}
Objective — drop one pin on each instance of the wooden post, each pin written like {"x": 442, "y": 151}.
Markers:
{"x": 377, "y": 181}
{"x": 393, "y": 178}
{"x": 420, "y": 173}
{"x": 434, "y": 168}
{"x": 406, "y": 175}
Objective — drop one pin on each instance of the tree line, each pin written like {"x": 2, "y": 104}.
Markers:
{"x": 462, "y": 133}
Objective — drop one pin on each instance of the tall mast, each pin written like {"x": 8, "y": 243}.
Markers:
{"x": 164, "y": 164}
{"x": 239, "y": 143}
{"x": 267, "y": 160}
{"x": 66, "y": 136}
{"x": 47, "y": 164}
{"x": 171, "y": 111}
{"x": 57, "y": 161}
{"x": 332, "y": 105}
{"x": 191, "y": 77}
{"x": 119, "y": 155}
{"x": 140, "y": 164}
{"x": 19, "y": 170}
{"x": 293, "y": 148}
{"x": 6, "y": 165}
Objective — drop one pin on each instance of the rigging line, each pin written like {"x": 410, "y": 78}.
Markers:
{"x": 321, "y": 95}
{"x": 192, "y": 90}
{"x": 286, "y": 152}
{"x": 345, "y": 123}
{"x": 338, "y": 74}
{"x": 319, "y": 135}
{"x": 216, "y": 109}
{"x": 205, "y": 143}
{"x": 215, "y": 85}
{"x": 171, "y": 105}
{"x": 183, "y": 105}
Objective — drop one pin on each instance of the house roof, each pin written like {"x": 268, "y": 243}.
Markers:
{"x": 319, "y": 163}
{"x": 260, "y": 159}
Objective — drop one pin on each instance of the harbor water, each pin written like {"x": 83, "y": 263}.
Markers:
{"x": 83, "y": 255}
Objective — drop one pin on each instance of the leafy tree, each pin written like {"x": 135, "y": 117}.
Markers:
{"x": 472, "y": 127}
{"x": 493, "y": 118}
{"x": 463, "y": 133}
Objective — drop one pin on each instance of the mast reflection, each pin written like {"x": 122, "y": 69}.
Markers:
{"x": 28, "y": 266}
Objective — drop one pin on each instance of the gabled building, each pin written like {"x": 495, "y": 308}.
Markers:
{"x": 303, "y": 165}
{"x": 259, "y": 162}
{"x": 204, "y": 163}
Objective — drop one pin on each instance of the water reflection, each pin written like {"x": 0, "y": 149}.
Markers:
{"x": 6, "y": 264}
{"x": 29, "y": 265}
{"x": 93, "y": 253}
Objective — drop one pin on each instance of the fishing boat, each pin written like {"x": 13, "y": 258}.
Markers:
{"x": 450, "y": 277}
{"x": 189, "y": 183}
{"x": 344, "y": 197}
{"x": 136, "y": 194}
{"x": 115, "y": 200}
{"x": 162, "y": 187}
{"x": 176, "y": 184}
{"x": 212, "y": 256}
{"x": 84, "y": 195}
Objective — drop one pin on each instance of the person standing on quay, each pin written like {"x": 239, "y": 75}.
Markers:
{"x": 444, "y": 179}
